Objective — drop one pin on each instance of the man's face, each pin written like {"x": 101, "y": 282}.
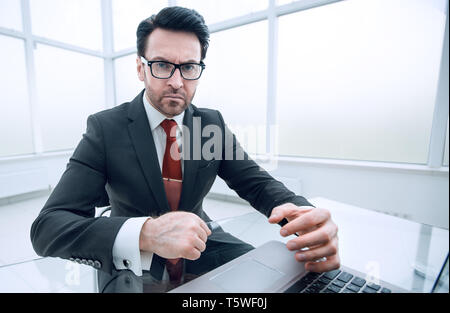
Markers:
{"x": 170, "y": 96}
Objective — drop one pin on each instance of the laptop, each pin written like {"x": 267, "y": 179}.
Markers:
{"x": 272, "y": 268}
{"x": 441, "y": 285}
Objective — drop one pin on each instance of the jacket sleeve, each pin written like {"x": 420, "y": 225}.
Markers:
{"x": 66, "y": 227}
{"x": 251, "y": 182}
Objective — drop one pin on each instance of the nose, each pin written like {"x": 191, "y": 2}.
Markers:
{"x": 176, "y": 81}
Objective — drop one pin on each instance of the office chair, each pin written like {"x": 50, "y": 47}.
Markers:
{"x": 104, "y": 212}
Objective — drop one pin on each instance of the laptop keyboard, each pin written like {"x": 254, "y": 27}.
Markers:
{"x": 335, "y": 281}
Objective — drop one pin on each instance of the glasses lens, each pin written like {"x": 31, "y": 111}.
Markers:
{"x": 162, "y": 69}
{"x": 191, "y": 71}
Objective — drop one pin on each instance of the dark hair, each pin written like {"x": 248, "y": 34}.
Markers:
{"x": 177, "y": 19}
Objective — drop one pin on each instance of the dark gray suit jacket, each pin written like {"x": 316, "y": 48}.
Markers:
{"x": 116, "y": 164}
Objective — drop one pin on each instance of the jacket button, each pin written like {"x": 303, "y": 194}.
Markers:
{"x": 90, "y": 263}
{"x": 84, "y": 262}
{"x": 78, "y": 260}
{"x": 127, "y": 263}
{"x": 97, "y": 264}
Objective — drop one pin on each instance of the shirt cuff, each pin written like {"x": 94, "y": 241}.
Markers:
{"x": 126, "y": 253}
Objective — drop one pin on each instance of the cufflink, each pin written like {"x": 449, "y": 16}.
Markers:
{"x": 127, "y": 263}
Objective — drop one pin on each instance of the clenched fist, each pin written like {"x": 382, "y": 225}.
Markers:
{"x": 175, "y": 235}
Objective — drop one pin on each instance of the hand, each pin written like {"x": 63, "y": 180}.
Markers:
{"x": 175, "y": 235}
{"x": 316, "y": 231}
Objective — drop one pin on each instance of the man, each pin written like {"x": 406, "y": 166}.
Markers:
{"x": 143, "y": 159}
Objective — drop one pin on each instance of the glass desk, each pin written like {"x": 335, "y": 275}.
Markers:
{"x": 401, "y": 252}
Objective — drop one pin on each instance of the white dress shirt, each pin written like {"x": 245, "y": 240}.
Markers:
{"x": 126, "y": 252}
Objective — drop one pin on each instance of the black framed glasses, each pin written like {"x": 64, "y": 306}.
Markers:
{"x": 165, "y": 70}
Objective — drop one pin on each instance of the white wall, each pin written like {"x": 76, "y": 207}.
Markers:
{"x": 418, "y": 195}
{"x": 31, "y": 173}
{"x": 415, "y": 194}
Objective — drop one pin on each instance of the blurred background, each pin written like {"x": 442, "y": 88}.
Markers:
{"x": 349, "y": 99}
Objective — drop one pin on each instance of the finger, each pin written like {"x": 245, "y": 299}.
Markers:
{"x": 318, "y": 253}
{"x": 205, "y": 228}
{"x": 305, "y": 221}
{"x": 286, "y": 210}
{"x": 192, "y": 254}
{"x": 306, "y": 231}
{"x": 202, "y": 234}
{"x": 332, "y": 263}
{"x": 199, "y": 244}
{"x": 193, "y": 248}
{"x": 321, "y": 236}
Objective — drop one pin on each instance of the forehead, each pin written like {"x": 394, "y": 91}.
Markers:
{"x": 175, "y": 46}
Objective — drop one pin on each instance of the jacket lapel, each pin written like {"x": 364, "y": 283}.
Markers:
{"x": 142, "y": 138}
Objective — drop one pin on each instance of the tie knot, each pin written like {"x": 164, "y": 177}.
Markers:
{"x": 167, "y": 125}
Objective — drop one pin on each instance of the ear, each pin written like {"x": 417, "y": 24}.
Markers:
{"x": 140, "y": 69}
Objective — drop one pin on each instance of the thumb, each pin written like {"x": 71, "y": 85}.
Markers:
{"x": 280, "y": 212}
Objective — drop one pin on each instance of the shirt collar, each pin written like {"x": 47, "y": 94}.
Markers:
{"x": 155, "y": 117}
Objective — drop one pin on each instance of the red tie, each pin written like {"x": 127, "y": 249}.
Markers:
{"x": 172, "y": 179}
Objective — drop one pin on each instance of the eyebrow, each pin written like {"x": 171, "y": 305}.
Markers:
{"x": 158, "y": 58}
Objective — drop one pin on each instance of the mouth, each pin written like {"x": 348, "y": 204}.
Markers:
{"x": 174, "y": 97}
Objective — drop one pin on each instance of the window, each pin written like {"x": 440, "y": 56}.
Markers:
{"x": 14, "y": 106}
{"x": 220, "y": 10}
{"x": 235, "y": 82}
{"x": 128, "y": 84}
{"x": 70, "y": 87}
{"x": 10, "y": 14}
{"x": 355, "y": 80}
{"x": 127, "y": 14}
{"x": 76, "y": 22}
{"x": 358, "y": 80}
